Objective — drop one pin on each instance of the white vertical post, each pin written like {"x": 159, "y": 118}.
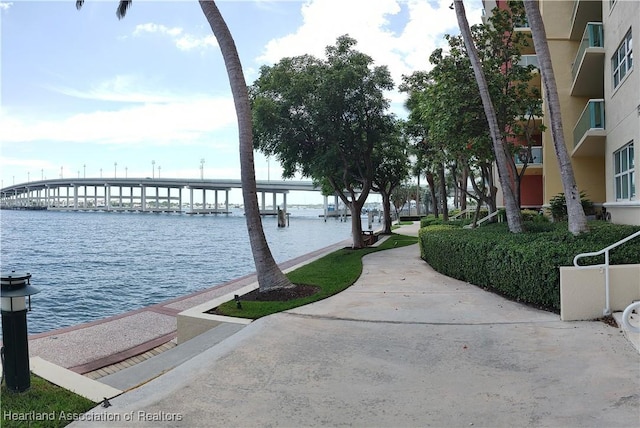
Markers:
{"x": 180, "y": 199}
{"x": 107, "y": 196}
{"x": 204, "y": 199}
{"x": 274, "y": 202}
{"x": 216, "y": 201}
{"x": 326, "y": 207}
{"x": 143, "y": 198}
{"x": 191, "y": 197}
{"x": 226, "y": 202}
{"x": 75, "y": 197}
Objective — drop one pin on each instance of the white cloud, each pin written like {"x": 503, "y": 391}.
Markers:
{"x": 20, "y": 162}
{"x": 189, "y": 122}
{"x": 121, "y": 88}
{"x": 403, "y": 49}
{"x": 183, "y": 41}
{"x": 156, "y": 28}
{"x": 5, "y": 5}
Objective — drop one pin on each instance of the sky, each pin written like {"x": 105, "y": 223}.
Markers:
{"x": 85, "y": 94}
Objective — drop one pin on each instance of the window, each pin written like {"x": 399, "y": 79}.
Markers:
{"x": 623, "y": 169}
{"x": 622, "y": 60}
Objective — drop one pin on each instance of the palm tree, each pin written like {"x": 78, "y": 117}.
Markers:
{"x": 514, "y": 217}
{"x": 575, "y": 211}
{"x": 269, "y": 275}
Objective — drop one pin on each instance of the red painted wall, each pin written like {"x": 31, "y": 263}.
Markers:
{"x": 531, "y": 190}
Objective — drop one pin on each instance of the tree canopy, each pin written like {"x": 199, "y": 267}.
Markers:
{"x": 323, "y": 119}
{"x": 447, "y": 115}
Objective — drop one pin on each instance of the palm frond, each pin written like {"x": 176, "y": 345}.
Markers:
{"x": 122, "y": 8}
{"x": 79, "y": 4}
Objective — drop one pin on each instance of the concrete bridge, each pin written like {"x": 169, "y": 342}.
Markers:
{"x": 140, "y": 194}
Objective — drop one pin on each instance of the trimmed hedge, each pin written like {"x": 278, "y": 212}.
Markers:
{"x": 523, "y": 267}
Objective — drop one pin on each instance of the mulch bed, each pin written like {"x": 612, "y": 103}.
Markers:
{"x": 281, "y": 295}
{"x": 610, "y": 320}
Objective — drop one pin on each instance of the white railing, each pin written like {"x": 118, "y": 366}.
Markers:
{"x": 461, "y": 213}
{"x": 605, "y": 265}
{"x": 482, "y": 220}
{"x": 628, "y": 314}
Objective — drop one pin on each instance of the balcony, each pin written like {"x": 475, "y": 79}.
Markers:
{"x": 584, "y": 11}
{"x": 589, "y": 134}
{"x": 526, "y": 60}
{"x": 534, "y": 158}
{"x": 521, "y": 25}
{"x": 588, "y": 66}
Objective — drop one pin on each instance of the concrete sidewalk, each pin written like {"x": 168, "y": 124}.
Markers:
{"x": 403, "y": 347}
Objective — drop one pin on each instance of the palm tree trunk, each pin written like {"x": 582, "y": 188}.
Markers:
{"x": 269, "y": 274}
{"x": 514, "y": 217}
{"x": 575, "y": 212}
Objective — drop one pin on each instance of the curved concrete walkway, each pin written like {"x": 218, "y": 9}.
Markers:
{"x": 403, "y": 347}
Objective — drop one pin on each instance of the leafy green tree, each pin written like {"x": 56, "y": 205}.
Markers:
{"x": 323, "y": 118}
{"x": 400, "y": 196}
{"x": 391, "y": 160}
{"x": 268, "y": 273}
{"x": 447, "y": 101}
{"x": 514, "y": 217}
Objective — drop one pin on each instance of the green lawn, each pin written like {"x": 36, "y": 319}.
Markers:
{"x": 331, "y": 273}
{"x": 45, "y": 405}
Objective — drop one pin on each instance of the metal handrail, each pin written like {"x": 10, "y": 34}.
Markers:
{"x": 453, "y": 217}
{"x": 605, "y": 251}
{"x": 482, "y": 220}
{"x": 626, "y": 315}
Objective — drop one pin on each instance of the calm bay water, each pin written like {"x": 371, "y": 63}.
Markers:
{"x": 93, "y": 265}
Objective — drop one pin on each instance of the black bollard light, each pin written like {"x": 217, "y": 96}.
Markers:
{"x": 238, "y": 302}
{"x": 15, "y": 350}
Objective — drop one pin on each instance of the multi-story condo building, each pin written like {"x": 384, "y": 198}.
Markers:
{"x": 591, "y": 44}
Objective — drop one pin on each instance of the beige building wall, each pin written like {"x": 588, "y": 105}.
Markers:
{"x": 622, "y": 104}
{"x": 589, "y": 172}
{"x": 594, "y": 173}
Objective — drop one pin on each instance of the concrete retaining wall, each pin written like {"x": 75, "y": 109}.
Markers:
{"x": 582, "y": 290}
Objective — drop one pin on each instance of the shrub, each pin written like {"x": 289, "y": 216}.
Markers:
{"x": 558, "y": 206}
{"x": 525, "y": 266}
{"x": 533, "y": 215}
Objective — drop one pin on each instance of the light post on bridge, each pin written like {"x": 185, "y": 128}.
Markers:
{"x": 202, "y": 169}
{"x": 125, "y": 172}
{"x": 100, "y": 172}
{"x": 42, "y": 174}
{"x": 153, "y": 169}
{"x": 84, "y": 170}
{"x": 159, "y": 171}
{"x": 28, "y": 176}
{"x": 61, "y": 172}
{"x": 115, "y": 169}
